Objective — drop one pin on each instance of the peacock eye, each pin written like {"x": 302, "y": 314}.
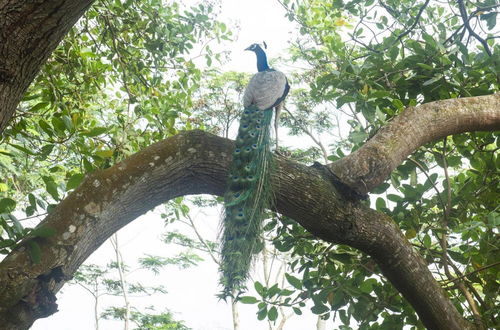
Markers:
{"x": 254, "y": 146}
{"x": 237, "y": 151}
{"x": 245, "y": 126}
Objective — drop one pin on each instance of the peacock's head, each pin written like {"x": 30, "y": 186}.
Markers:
{"x": 257, "y": 47}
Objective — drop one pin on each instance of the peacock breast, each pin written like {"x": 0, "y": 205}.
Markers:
{"x": 264, "y": 89}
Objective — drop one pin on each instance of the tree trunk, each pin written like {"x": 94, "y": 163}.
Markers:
{"x": 29, "y": 32}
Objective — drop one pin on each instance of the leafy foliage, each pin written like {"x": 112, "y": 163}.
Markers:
{"x": 368, "y": 60}
{"x": 123, "y": 78}
{"x": 129, "y": 75}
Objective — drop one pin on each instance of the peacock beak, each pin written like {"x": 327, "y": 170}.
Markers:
{"x": 249, "y": 48}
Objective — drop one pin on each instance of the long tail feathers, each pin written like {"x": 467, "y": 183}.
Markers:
{"x": 247, "y": 196}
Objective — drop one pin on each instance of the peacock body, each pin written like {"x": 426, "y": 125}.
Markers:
{"x": 248, "y": 191}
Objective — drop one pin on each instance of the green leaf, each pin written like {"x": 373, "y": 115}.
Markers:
{"x": 95, "y": 131}
{"x": 344, "y": 258}
{"x": 358, "y": 137}
{"x": 259, "y": 288}
{"x": 433, "y": 80}
{"x": 67, "y": 122}
{"x": 247, "y": 300}
{"x": 425, "y": 66}
{"x": 18, "y": 227}
{"x": 46, "y": 127}
{"x": 51, "y": 187}
{"x": 490, "y": 18}
{"x": 39, "y": 106}
{"x": 272, "y": 314}
{"x": 23, "y": 149}
{"x": 4, "y": 243}
{"x": 367, "y": 286}
{"x": 262, "y": 313}
{"x": 286, "y": 292}
{"x": 398, "y": 104}
{"x": 427, "y": 241}
{"x": 58, "y": 125}
{"x": 34, "y": 251}
{"x": 319, "y": 309}
{"x": 410, "y": 233}
{"x": 295, "y": 282}
{"x": 7, "y": 205}
{"x": 104, "y": 153}
{"x": 380, "y": 204}
{"x": 394, "y": 198}
{"x": 74, "y": 181}
{"x": 43, "y": 231}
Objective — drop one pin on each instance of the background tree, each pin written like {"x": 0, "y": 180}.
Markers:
{"x": 408, "y": 74}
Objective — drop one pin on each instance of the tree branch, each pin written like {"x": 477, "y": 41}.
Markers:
{"x": 465, "y": 18}
{"x": 371, "y": 164}
{"x": 196, "y": 162}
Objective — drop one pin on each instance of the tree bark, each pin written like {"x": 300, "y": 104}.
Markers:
{"x": 29, "y": 32}
{"x": 196, "y": 162}
{"x": 371, "y": 164}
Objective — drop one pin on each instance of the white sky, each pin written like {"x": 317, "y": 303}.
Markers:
{"x": 191, "y": 292}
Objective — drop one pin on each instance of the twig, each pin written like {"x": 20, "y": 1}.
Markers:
{"x": 465, "y": 18}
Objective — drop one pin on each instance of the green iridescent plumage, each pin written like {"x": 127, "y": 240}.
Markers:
{"x": 247, "y": 197}
{"x": 248, "y": 191}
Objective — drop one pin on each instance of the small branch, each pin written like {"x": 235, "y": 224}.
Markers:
{"x": 303, "y": 129}
{"x": 417, "y": 19}
{"x": 465, "y": 18}
{"x": 123, "y": 283}
{"x": 202, "y": 240}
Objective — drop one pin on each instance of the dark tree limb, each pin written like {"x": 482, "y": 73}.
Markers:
{"x": 466, "y": 19}
{"x": 370, "y": 165}
{"x": 29, "y": 32}
{"x": 195, "y": 162}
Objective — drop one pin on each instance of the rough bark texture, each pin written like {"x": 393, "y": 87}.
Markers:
{"x": 371, "y": 164}
{"x": 29, "y": 32}
{"x": 192, "y": 163}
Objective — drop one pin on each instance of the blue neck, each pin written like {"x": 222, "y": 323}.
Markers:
{"x": 261, "y": 60}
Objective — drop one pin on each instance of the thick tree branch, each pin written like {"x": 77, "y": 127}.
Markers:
{"x": 193, "y": 163}
{"x": 371, "y": 164}
{"x": 29, "y": 32}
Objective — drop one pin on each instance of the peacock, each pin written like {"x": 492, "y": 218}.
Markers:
{"x": 248, "y": 191}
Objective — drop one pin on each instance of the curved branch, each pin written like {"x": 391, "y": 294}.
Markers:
{"x": 193, "y": 163}
{"x": 371, "y": 164}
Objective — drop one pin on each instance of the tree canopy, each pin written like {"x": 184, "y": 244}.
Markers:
{"x": 397, "y": 98}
